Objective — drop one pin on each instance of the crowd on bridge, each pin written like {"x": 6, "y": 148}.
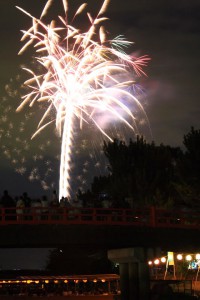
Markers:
{"x": 24, "y": 201}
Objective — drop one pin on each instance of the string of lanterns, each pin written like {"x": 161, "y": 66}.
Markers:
{"x": 179, "y": 257}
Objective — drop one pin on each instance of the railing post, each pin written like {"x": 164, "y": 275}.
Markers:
{"x": 152, "y": 216}
{"x": 3, "y": 215}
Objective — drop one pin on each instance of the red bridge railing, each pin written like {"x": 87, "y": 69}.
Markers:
{"x": 149, "y": 217}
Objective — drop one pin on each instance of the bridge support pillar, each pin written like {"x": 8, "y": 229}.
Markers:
{"x": 134, "y": 272}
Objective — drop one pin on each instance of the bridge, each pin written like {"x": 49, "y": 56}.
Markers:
{"x": 130, "y": 236}
{"x": 110, "y": 228}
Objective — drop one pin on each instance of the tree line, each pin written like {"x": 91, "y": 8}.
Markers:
{"x": 149, "y": 174}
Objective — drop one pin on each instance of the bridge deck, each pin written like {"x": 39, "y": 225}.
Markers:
{"x": 145, "y": 217}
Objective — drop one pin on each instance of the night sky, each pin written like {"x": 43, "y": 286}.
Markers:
{"x": 23, "y": 258}
{"x": 167, "y": 31}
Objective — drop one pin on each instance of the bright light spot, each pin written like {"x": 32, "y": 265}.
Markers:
{"x": 163, "y": 259}
{"x": 76, "y": 280}
{"x": 188, "y": 257}
{"x": 29, "y": 281}
{"x": 179, "y": 256}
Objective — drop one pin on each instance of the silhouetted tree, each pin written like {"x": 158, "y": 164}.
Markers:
{"x": 142, "y": 171}
{"x": 191, "y": 142}
{"x": 150, "y": 174}
{"x": 189, "y": 186}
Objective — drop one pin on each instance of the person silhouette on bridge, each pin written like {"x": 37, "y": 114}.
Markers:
{"x": 20, "y": 205}
{"x": 7, "y": 200}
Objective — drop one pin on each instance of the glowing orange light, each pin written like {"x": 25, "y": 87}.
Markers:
{"x": 188, "y": 257}
{"x": 76, "y": 280}
{"x": 29, "y": 281}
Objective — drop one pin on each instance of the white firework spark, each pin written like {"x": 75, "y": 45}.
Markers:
{"x": 84, "y": 75}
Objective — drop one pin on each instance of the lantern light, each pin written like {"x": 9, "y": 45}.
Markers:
{"x": 179, "y": 256}
{"x": 76, "y": 280}
{"x": 29, "y": 281}
{"x": 188, "y": 257}
{"x": 163, "y": 259}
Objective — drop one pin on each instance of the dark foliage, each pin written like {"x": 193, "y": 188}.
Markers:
{"x": 79, "y": 261}
{"x": 147, "y": 174}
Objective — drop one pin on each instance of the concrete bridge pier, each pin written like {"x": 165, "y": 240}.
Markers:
{"x": 134, "y": 271}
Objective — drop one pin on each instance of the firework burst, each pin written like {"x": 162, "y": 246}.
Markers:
{"x": 81, "y": 75}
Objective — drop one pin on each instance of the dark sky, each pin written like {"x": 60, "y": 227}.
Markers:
{"x": 167, "y": 31}
{"x": 23, "y": 258}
